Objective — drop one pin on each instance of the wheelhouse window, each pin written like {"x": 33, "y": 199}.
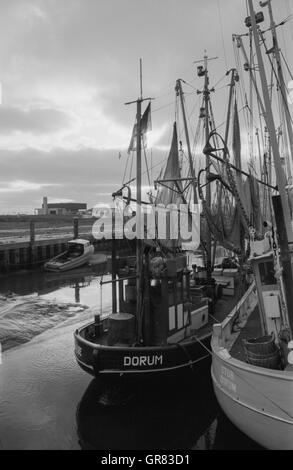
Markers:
{"x": 178, "y": 317}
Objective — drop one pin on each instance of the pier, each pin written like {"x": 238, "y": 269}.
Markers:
{"x": 32, "y": 251}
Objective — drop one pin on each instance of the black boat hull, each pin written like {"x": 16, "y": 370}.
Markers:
{"x": 114, "y": 362}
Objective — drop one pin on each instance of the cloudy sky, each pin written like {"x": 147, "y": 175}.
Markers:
{"x": 68, "y": 66}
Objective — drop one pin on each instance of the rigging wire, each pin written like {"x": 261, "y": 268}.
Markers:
{"x": 131, "y": 166}
{"x": 287, "y": 66}
{"x": 163, "y": 106}
{"x": 125, "y": 169}
{"x": 222, "y": 33}
{"x": 276, "y": 77}
{"x": 147, "y": 167}
{"x": 219, "y": 81}
{"x": 288, "y": 11}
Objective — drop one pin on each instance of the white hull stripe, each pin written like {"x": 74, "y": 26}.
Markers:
{"x": 143, "y": 371}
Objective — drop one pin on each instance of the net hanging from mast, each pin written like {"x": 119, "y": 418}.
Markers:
{"x": 235, "y": 205}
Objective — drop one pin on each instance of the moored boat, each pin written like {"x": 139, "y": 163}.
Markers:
{"x": 78, "y": 253}
{"x": 161, "y": 321}
{"x": 254, "y": 396}
{"x": 252, "y": 364}
{"x": 176, "y": 329}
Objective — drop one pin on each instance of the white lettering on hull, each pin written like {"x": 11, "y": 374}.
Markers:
{"x": 227, "y": 379}
{"x": 143, "y": 361}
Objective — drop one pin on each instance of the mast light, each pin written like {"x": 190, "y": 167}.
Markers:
{"x": 201, "y": 71}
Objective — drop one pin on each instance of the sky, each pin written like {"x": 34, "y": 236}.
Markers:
{"x": 68, "y": 66}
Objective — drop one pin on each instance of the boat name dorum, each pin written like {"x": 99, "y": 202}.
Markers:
{"x": 153, "y": 360}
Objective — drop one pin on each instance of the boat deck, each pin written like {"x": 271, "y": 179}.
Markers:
{"x": 222, "y": 308}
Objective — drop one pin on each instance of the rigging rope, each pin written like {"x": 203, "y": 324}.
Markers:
{"x": 276, "y": 77}
{"x": 222, "y": 33}
{"x": 286, "y": 63}
{"x": 147, "y": 167}
{"x": 288, "y": 11}
{"x": 125, "y": 169}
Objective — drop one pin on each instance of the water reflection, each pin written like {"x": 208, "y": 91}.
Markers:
{"x": 34, "y": 302}
{"x": 38, "y": 401}
{"x": 181, "y": 415}
{"x": 44, "y": 282}
{"x": 165, "y": 416}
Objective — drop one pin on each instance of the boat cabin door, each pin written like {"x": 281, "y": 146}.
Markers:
{"x": 268, "y": 293}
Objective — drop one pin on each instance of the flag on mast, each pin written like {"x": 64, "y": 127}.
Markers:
{"x": 145, "y": 126}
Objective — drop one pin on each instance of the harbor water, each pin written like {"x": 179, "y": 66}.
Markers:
{"x": 48, "y": 402}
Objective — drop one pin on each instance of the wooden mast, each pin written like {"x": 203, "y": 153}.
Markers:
{"x": 240, "y": 44}
{"x": 138, "y": 211}
{"x": 232, "y": 84}
{"x": 277, "y": 160}
{"x": 179, "y": 89}
{"x": 139, "y": 219}
{"x": 271, "y": 127}
{"x": 286, "y": 112}
{"x": 114, "y": 264}
{"x": 206, "y": 94}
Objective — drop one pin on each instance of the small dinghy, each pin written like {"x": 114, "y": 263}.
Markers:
{"x": 78, "y": 253}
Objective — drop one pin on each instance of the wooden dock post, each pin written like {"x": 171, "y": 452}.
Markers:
{"x": 6, "y": 259}
{"x": 17, "y": 257}
{"x": 75, "y": 227}
{"x": 51, "y": 251}
{"x": 43, "y": 253}
{"x": 77, "y": 293}
{"x": 32, "y": 232}
{"x": 32, "y": 242}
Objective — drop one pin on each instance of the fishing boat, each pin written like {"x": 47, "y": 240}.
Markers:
{"x": 78, "y": 253}
{"x": 252, "y": 363}
{"x": 161, "y": 321}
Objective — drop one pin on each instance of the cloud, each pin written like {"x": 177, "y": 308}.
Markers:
{"x": 83, "y": 175}
{"x": 54, "y": 200}
{"x": 68, "y": 67}
{"x": 20, "y": 186}
{"x": 32, "y": 121}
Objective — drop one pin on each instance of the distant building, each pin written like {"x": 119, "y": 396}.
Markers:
{"x": 61, "y": 208}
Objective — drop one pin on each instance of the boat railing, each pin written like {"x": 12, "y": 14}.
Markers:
{"x": 225, "y": 333}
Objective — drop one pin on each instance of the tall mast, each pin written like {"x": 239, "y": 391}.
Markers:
{"x": 259, "y": 156}
{"x": 203, "y": 71}
{"x": 239, "y": 43}
{"x": 206, "y": 95}
{"x": 139, "y": 220}
{"x": 283, "y": 91}
{"x": 138, "y": 216}
{"x": 179, "y": 90}
{"x": 234, "y": 78}
{"x": 281, "y": 181}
